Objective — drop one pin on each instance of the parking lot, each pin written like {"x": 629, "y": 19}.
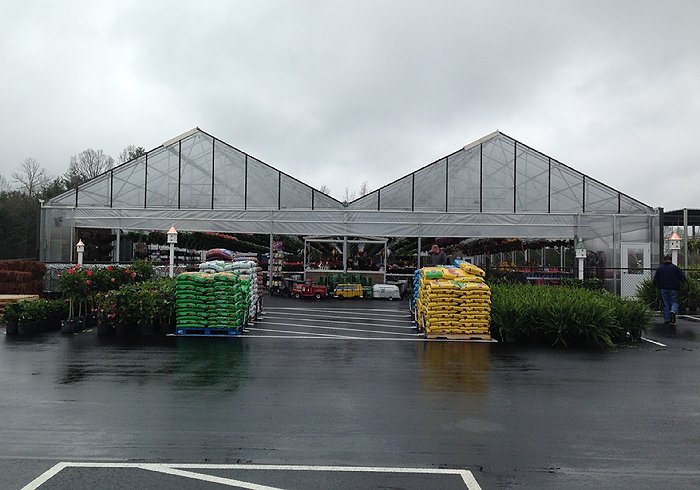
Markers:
{"x": 345, "y": 394}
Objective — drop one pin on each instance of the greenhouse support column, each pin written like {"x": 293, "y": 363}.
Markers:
{"x": 561, "y": 256}
{"x": 386, "y": 260}
{"x": 117, "y": 246}
{"x": 685, "y": 238}
{"x": 304, "y": 258}
{"x": 418, "y": 256}
{"x": 269, "y": 266}
{"x": 345, "y": 254}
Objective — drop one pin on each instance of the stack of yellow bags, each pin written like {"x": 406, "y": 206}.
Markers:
{"x": 454, "y": 300}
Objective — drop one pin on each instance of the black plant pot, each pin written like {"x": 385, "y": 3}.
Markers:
{"x": 69, "y": 326}
{"x": 90, "y": 320}
{"x": 124, "y": 329}
{"x": 44, "y": 325}
{"x": 166, "y": 328}
{"x": 11, "y": 328}
{"x": 27, "y": 328}
{"x": 104, "y": 329}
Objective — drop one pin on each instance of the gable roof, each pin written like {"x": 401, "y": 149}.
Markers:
{"x": 494, "y": 174}
{"x": 196, "y": 170}
{"x": 497, "y": 173}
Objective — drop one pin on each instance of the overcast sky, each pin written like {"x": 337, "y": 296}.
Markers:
{"x": 337, "y": 93}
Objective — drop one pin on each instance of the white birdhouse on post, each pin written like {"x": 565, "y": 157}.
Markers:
{"x": 80, "y": 249}
{"x": 580, "y": 257}
{"x": 172, "y": 240}
{"x": 674, "y": 245}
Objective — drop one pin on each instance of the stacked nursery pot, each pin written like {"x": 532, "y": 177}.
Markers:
{"x": 454, "y": 301}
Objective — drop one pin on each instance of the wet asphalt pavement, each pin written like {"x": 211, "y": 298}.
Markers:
{"x": 333, "y": 383}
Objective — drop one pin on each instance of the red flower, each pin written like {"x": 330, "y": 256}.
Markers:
{"x": 88, "y": 282}
{"x": 89, "y": 273}
{"x": 109, "y": 267}
{"x": 71, "y": 271}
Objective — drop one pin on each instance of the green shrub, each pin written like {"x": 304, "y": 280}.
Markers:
{"x": 594, "y": 284}
{"x": 648, "y": 294}
{"x": 564, "y": 315}
{"x": 10, "y": 315}
{"x": 138, "y": 304}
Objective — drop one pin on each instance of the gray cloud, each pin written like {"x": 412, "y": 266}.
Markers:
{"x": 337, "y": 93}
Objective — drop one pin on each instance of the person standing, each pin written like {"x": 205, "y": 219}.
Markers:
{"x": 437, "y": 256}
{"x": 668, "y": 279}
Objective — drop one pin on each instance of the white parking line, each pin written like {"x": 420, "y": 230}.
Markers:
{"x": 305, "y": 334}
{"x": 653, "y": 342}
{"x": 349, "y": 318}
{"x": 335, "y": 320}
{"x": 317, "y": 336}
{"x": 265, "y": 322}
{"x": 343, "y": 310}
{"x": 180, "y": 470}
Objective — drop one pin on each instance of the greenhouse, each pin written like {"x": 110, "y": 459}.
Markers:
{"x": 495, "y": 187}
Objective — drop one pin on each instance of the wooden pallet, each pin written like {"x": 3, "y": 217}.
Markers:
{"x": 6, "y": 299}
{"x": 459, "y": 336}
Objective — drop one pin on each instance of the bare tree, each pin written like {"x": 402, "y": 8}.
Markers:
{"x": 86, "y": 165}
{"x": 349, "y": 195}
{"x": 31, "y": 177}
{"x": 130, "y": 152}
{"x": 325, "y": 189}
{"x": 364, "y": 189}
{"x": 4, "y": 184}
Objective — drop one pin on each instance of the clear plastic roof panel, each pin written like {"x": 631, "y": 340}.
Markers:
{"x": 464, "y": 181}
{"x": 229, "y": 177}
{"x": 95, "y": 192}
{"x": 497, "y": 175}
{"x": 429, "y": 187}
{"x": 196, "y": 169}
{"x": 397, "y": 195}
{"x": 322, "y": 201}
{"x": 368, "y": 202}
{"x": 532, "y": 181}
{"x": 263, "y": 185}
{"x": 600, "y": 198}
{"x": 161, "y": 191}
{"x": 294, "y": 194}
{"x": 128, "y": 184}
{"x": 566, "y": 194}
{"x": 629, "y": 205}
{"x": 65, "y": 199}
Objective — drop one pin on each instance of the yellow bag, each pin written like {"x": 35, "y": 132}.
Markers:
{"x": 472, "y": 269}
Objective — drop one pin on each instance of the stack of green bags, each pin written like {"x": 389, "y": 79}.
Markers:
{"x": 206, "y": 300}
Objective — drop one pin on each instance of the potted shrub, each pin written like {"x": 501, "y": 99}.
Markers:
{"x": 165, "y": 304}
{"x": 31, "y": 314}
{"x": 145, "y": 303}
{"x": 107, "y": 312}
{"x": 10, "y": 317}
{"x": 76, "y": 285}
{"x": 57, "y": 310}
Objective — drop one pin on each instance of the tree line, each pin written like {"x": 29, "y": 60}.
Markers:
{"x": 22, "y": 190}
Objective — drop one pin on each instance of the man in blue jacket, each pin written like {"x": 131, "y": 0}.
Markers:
{"x": 668, "y": 279}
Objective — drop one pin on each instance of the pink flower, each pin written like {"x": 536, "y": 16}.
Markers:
{"x": 71, "y": 271}
{"x": 113, "y": 280}
{"x": 88, "y": 282}
{"x": 89, "y": 273}
{"x": 133, "y": 275}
